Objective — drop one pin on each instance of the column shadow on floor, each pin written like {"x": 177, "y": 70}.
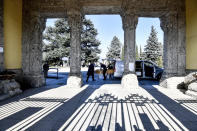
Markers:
{"x": 187, "y": 116}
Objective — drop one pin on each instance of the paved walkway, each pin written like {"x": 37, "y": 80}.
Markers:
{"x": 99, "y": 107}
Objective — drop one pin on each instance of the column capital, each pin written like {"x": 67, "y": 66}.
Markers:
{"x": 129, "y": 21}
{"x": 74, "y": 14}
{"x": 168, "y": 20}
{"x": 129, "y": 17}
{"x": 75, "y": 19}
{"x": 163, "y": 23}
{"x": 37, "y": 22}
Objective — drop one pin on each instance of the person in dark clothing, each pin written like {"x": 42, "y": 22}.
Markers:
{"x": 103, "y": 66}
{"x": 45, "y": 69}
{"x": 90, "y": 71}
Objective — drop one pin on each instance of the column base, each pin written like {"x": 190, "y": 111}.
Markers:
{"x": 74, "y": 82}
{"x": 167, "y": 75}
{"x": 129, "y": 81}
{"x": 33, "y": 81}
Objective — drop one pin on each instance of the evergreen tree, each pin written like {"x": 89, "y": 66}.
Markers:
{"x": 90, "y": 44}
{"x": 114, "y": 49}
{"x": 136, "y": 53}
{"x": 56, "y": 43}
{"x": 152, "y": 49}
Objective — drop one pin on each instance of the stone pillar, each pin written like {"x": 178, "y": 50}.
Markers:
{"x": 1, "y": 38}
{"x": 75, "y": 23}
{"x": 169, "y": 25}
{"x": 181, "y": 39}
{"x": 129, "y": 21}
{"x": 33, "y": 26}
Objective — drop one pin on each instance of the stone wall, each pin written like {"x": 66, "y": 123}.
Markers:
{"x": 1, "y": 37}
{"x": 9, "y": 88}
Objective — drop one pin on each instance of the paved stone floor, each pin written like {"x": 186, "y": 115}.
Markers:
{"x": 99, "y": 106}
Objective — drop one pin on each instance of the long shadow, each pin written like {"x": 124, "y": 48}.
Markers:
{"x": 59, "y": 116}
{"x": 55, "y": 119}
{"x": 80, "y": 110}
{"x": 139, "y": 101}
{"x": 21, "y": 115}
{"x": 52, "y": 121}
{"x": 185, "y": 116}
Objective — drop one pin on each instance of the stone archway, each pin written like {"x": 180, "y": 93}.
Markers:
{"x": 170, "y": 12}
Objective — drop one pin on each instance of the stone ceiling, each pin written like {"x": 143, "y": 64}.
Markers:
{"x": 149, "y": 8}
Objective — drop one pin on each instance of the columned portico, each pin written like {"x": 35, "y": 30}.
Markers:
{"x": 129, "y": 20}
{"x": 75, "y": 23}
{"x": 170, "y": 12}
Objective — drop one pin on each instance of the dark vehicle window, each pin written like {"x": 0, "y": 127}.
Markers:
{"x": 138, "y": 64}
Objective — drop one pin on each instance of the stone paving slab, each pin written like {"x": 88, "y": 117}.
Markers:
{"x": 104, "y": 106}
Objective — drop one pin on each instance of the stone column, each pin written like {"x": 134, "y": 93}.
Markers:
{"x": 170, "y": 59}
{"x": 181, "y": 39}
{"x": 129, "y": 21}
{"x": 33, "y": 26}
{"x": 1, "y": 38}
{"x": 75, "y": 23}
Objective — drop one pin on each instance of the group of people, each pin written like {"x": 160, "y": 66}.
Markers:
{"x": 90, "y": 72}
{"x": 103, "y": 68}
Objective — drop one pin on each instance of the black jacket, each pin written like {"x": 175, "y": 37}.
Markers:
{"x": 90, "y": 69}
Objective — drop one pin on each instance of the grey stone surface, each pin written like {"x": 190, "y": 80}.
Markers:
{"x": 129, "y": 81}
{"x": 74, "y": 82}
{"x": 33, "y": 80}
{"x": 33, "y": 26}
{"x": 75, "y": 23}
{"x": 181, "y": 38}
{"x": 174, "y": 60}
{"x": 9, "y": 88}
{"x": 129, "y": 26}
{"x": 1, "y": 37}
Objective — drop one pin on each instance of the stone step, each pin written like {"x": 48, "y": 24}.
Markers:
{"x": 4, "y": 96}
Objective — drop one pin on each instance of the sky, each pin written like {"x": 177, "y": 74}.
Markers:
{"x": 109, "y": 26}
